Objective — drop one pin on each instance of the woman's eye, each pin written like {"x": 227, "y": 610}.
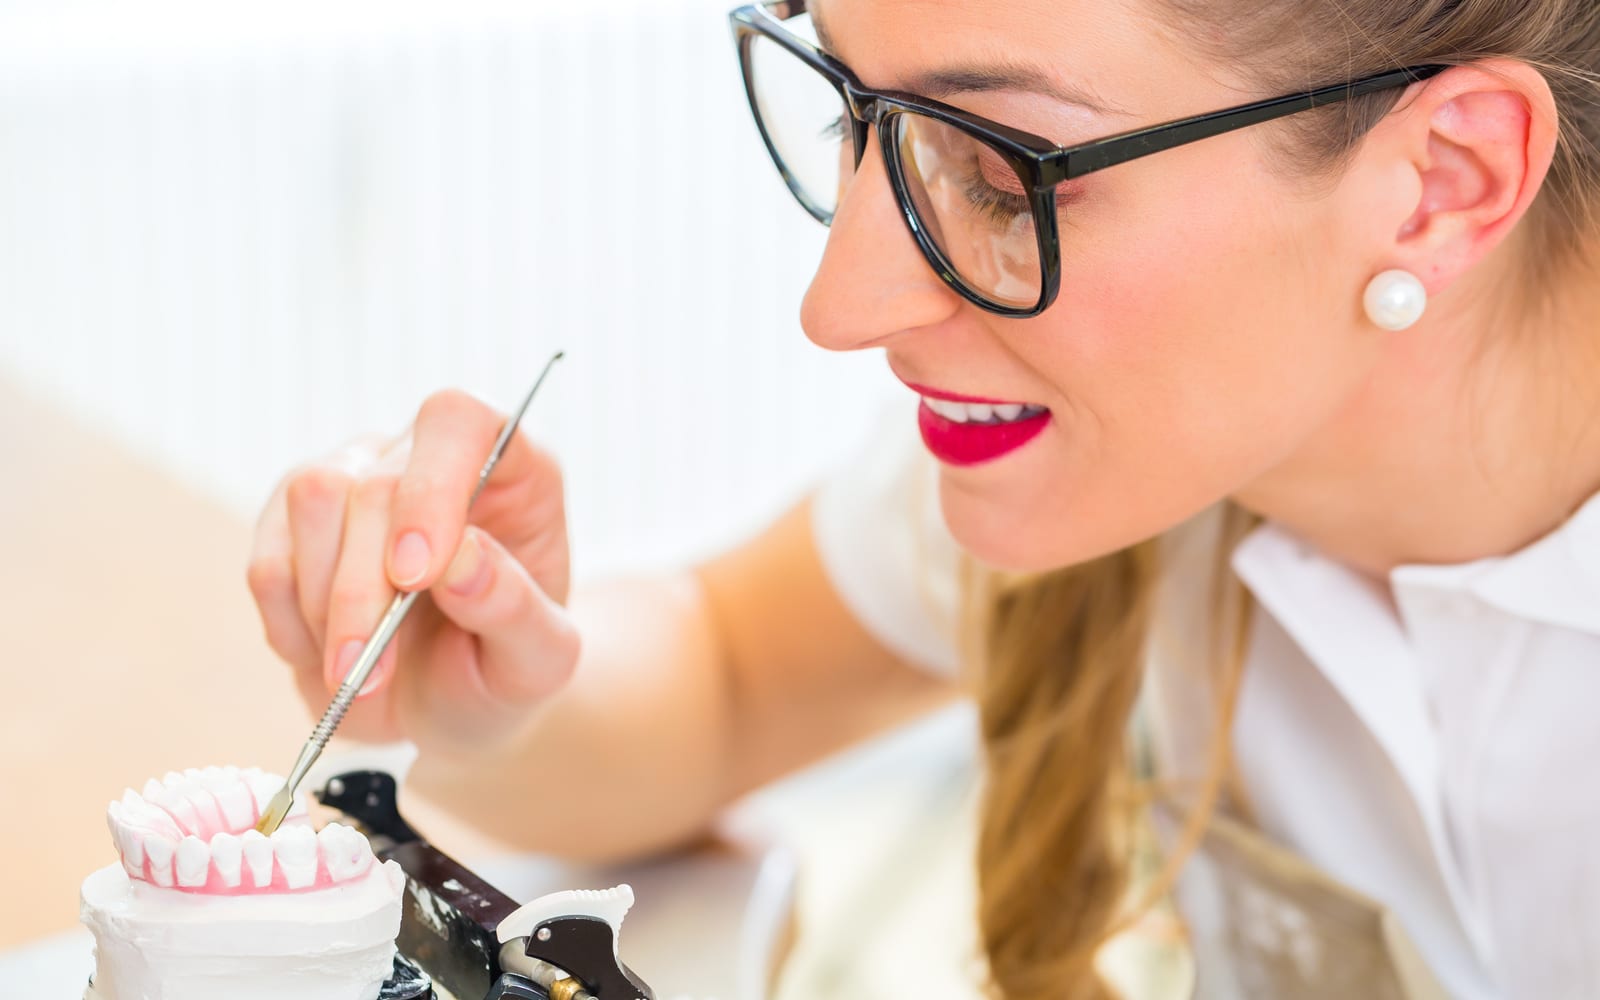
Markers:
{"x": 1003, "y": 206}
{"x": 1000, "y": 207}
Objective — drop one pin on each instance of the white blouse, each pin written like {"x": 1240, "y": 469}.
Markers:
{"x": 1440, "y": 754}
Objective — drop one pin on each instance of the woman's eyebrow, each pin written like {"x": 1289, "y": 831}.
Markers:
{"x": 996, "y": 76}
{"x": 1007, "y": 76}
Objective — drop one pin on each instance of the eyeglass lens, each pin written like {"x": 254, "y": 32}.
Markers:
{"x": 973, "y": 207}
{"x": 807, "y": 122}
{"x": 963, "y": 194}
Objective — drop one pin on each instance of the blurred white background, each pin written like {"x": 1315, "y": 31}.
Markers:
{"x": 232, "y": 236}
{"x": 235, "y": 235}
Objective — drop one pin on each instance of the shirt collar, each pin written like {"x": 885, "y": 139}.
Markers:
{"x": 1555, "y": 580}
{"x": 1348, "y": 630}
{"x": 1344, "y": 623}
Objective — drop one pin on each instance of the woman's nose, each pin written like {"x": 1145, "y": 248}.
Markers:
{"x": 873, "y": 281}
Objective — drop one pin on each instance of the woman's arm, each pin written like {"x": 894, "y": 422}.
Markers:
{"x": 692, "y": 690}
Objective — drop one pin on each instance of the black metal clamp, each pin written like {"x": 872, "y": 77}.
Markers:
{"x": 449, "y": 927}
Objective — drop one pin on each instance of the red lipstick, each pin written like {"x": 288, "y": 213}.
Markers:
{"x": 968, "y": 443}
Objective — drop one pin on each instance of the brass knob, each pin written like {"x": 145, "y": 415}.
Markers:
{"x": 569, "y": 989}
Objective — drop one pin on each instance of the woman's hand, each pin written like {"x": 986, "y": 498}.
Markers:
{"x": 489, "y": 640}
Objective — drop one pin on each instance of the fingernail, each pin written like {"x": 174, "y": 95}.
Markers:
{"x": 469, "y": 570}
{"x": 348, "y": 654}
{"x": 380, "y": 673}
{"x": 409, "y": 563}
{"x": 343, "y": 662}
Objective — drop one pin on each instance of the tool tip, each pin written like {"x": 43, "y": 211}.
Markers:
{"x": 276, "y": 810}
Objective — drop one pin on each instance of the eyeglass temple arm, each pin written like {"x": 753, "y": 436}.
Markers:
{"x": 1116, "y": 149}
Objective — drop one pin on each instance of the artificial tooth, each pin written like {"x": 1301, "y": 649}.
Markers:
{"x": 129, "y": 841}
{"x": 345, "y": 851}
{"x": 130, "y": 847}
{"x": 137, "y": 812}
{"x": 264, "y": 786}
{"x": 204, "y": 800}
{"x": 257, "y": 851}
{"x": 177, "y": 805}
{"x": 260, "y": 787}
{"x": 227, "y": 853}
{"x": 296, "y": 848}
{"x": 160, "y": 850}
{"x": 130, "y": 844}
{"x": 193, "y": 862}
{"x": 233, "y": 797}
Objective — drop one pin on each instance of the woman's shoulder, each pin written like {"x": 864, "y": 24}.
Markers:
{"x": 883, "y": 542}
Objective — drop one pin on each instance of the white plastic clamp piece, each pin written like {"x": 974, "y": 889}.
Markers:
{"x": 610, "y": 905}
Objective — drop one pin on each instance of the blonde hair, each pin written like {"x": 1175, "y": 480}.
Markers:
{"x": 1061, "y": 656}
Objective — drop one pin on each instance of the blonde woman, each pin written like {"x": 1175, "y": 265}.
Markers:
{"x": 1255, "y": 354}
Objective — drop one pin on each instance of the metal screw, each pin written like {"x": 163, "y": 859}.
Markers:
{"x": 336, "y": 787}
{"x": 544, "y": 934}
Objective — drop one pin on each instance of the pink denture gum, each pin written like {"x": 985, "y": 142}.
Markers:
{"x": 195, "y": 832}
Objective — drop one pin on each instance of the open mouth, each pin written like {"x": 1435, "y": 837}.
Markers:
{"x": 965, "y": 431}
{"x": 195, "y": 832}
{"x": 983, "y": 413}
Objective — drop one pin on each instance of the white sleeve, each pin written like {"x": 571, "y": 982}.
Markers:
{"x": 886, "y": 549}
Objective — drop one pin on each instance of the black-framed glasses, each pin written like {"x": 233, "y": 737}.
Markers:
{"x": 979, "y": 197}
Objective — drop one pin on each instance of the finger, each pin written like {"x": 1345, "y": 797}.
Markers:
{"x": 271, "y": 576}
{"x": 368, "y": 719}
{"x": 360, "y": 592}
{"x": 450, "y": 441}
{"x": 527, "y": 644}
{"x": 527, "y": 508}
{"x": 315, "y": 500}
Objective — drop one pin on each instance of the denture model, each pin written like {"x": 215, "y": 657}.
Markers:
{"x": 203, "y": 907}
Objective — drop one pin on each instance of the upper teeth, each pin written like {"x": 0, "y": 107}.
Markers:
{"x": 196, "y": 831}
{"x": 982, "y": 413}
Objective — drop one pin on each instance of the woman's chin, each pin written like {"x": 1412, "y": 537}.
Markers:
{"x": 1007, "y": 534}
{"x": 995, "y": 535}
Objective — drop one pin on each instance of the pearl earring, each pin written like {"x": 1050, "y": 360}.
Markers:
{"x": 1395, "y": 300}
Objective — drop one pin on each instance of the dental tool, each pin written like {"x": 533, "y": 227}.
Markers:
{"x": 279, "y": 807}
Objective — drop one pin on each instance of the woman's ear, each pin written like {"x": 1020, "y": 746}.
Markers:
{"x": 1472, "y": 146}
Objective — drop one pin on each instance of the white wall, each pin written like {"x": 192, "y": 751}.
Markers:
{"x": 238, "y": 234}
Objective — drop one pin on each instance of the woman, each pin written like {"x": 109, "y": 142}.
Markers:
{"x": 1359, "y": 324}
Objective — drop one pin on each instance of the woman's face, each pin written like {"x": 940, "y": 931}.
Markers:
{"x": 1209, "y": 328}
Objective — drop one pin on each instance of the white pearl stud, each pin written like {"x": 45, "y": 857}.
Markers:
{"x": 1395, "y": 300}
